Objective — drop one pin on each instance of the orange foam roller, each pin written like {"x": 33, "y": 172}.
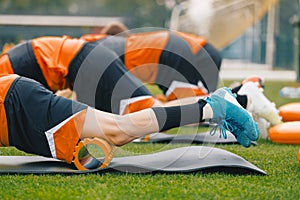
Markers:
{"x": 290, "y": 112}
{"x": 286, "y": 133}
{"x": 81, "y": 155}
{"x": 299, "y": 155}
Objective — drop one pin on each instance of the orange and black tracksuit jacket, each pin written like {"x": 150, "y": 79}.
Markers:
{"x": 164, "y": 56}
{"x": 46, "y": 60}
{"x": 30, "y": 114}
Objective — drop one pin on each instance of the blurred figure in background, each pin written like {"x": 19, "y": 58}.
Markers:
{"x": 100, "y": 79}
{"x": 181, "y": 64}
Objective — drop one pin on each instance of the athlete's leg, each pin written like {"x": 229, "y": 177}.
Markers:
{"x": 42, "y": 123}
{"x": 208, "y": 63}
{"x": 221, "y": 107}
{"x": 179, "y": 66}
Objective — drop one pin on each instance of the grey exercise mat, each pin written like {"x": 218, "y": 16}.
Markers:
{"x": 190, "y": 159}
{"x": 198, "y": 138}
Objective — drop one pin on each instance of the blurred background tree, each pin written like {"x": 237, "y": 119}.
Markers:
{"x": 137, "y": 13}
{"x": 42, "y": 7}
{"x": 150, "y": 13}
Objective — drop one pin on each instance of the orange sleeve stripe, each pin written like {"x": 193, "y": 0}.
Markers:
{"x": 5, "y": 64}
{"x": 69, "y": 50}
{"x": 54, "y": 55}
{"x": 5, "y": 83}
{"x": 142, "y": 54}
{"x": 195, "y": 42}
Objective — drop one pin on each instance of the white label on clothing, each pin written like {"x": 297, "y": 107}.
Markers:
{"x": 179, "y": 84}
{"x": 200, "y": 85}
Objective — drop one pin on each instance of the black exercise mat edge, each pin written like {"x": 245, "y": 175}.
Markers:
{"x": 141, "y": 164}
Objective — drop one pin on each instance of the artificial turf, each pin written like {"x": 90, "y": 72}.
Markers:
{"x": 278, "y": 160}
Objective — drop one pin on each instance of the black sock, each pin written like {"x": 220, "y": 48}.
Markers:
{"x": 242, "y": 99}
{"x": 171, "y": 117}
{"x": 236, "y": 89}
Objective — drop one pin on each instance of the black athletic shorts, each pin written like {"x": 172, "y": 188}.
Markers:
{"x": 31, "y": 110}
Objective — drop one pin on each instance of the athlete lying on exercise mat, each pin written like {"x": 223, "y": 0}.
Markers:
{"x": 35, "y": 120}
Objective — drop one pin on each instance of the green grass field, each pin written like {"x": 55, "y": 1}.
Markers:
{"x": 279, "y": 161}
